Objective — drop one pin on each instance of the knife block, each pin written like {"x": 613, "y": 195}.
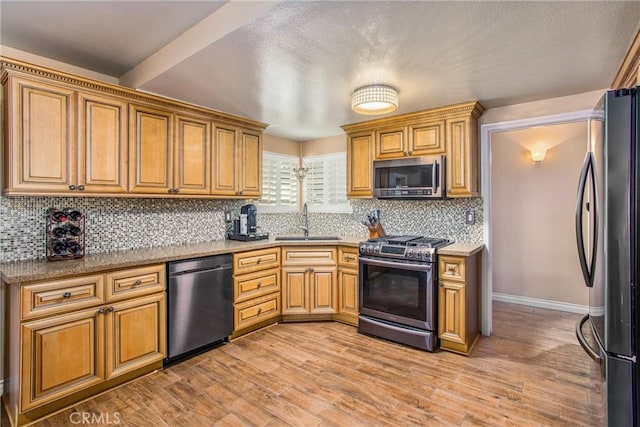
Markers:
{"x": 376, "y": 231}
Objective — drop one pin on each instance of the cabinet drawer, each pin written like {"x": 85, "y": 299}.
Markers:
{"x": 252, "y": 285}
{"x": 40, "y": 299}
{"x": 246, "y": 262}
{"x": 452, "y": 268}
{"x": 309, "y": 256}
{"x": 135, "y": 282}
{"x": 348, "y": 257}
{"x": 256, "y": 310}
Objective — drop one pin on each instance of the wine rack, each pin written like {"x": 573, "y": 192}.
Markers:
{"x": 65, "y": 234}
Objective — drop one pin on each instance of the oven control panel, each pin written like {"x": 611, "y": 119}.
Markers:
{"x": 397, "y": 251}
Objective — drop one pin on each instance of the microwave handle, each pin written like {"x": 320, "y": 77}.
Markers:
{"x": 436, "y": 176}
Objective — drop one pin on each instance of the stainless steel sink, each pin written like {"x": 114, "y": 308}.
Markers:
{"x": 305, "y": 238}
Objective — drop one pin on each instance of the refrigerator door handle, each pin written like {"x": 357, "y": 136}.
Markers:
{"x": 587, "y": 272}
{"x": 583, "y": 342}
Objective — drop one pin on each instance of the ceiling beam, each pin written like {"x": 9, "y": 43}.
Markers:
{"x": 223, "y": 21}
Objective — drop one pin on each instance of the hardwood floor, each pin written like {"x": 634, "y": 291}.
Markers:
{"x": 530, "y": 372}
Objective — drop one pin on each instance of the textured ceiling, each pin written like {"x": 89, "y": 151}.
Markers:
{"x": 294, "y": 64}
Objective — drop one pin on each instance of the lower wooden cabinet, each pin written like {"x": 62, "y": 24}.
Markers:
{"x": 256, "y": 289}
{"x": 458, "y": 302}
{"x": 66, "y": 339}
{"x": 310, "y": 283}
{"x": 348, "y": 285}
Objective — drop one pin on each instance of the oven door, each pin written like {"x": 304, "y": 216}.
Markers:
{"x": 398, "y": 291}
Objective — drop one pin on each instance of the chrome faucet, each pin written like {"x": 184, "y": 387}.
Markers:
{"x": 305, "y": 215}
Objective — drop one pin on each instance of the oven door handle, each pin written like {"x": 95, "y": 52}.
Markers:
{"x": 396, "y": 264}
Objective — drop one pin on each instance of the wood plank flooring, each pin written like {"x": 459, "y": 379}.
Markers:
{"x": 530, "y": 372}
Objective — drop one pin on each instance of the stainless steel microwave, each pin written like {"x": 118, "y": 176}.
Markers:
{"x": 409, "y": 178}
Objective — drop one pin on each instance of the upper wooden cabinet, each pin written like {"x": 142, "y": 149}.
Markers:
{"x": 70, "y": 135}
{"x": 40, "y": 143}
{"x": 102, "y": 144}
{"x": 450, "y": 130}
{"x": 237, "y": 162}
{"x": 359, "y": 165}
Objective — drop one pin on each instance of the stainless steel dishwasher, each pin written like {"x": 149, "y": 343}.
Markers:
{"x": 200, "y": 306}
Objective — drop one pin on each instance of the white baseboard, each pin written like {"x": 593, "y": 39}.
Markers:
{"x": 541, "y": 303}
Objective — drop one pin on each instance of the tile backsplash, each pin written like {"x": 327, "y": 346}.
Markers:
{"x": 120, "y": 223}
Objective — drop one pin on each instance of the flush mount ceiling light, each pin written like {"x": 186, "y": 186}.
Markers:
{"x": 374, "y": 99}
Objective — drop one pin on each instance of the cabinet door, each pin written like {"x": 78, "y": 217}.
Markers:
{"x": 462, "y": 158}
{"x": 452, "y": 311}
{"x": 391, "y": 143}
{"x": 348, "y": 291}
{"x": 102, "y": 144}
{"x": 250, "y": 168}
{"x": 359, "y": 165}
{"x": 41, "y": 139}
{"x": 192, "y": 156}
{"x": 295, "y": 296}
{"x": 427, "y": 138}
{"x": 150, "y": 152}
{"x": 323, "y": 290}
{"x": 224, "y": 162}
{"x": 61, "y": 355}
{"x": 136, "y": 334}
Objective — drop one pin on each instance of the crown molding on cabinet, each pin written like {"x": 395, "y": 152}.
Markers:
{"x": 629, "y": 72}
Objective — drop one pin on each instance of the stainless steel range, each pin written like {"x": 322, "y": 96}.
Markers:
{"x": 398, "y": 294}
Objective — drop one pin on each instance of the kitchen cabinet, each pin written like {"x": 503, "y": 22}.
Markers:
{"x": 74, "y": 136}
{"x": 46, "y": 154}
{"x": 451, "y": 130}
{"x": 192, "y": 170}
{"x": 359, "y": 165}
{"x": 458, "y": 302}
{"x": 237, "y": 163}
{"x": 150, "y": 150}
{"x": 348, "y": 286}
{"x": 71, "y": 338}
{"x": 309, "y": 277}
{"x": 40, "y": 145}
{"x": 256, "y": 289}
{"x": 102, "y": 144}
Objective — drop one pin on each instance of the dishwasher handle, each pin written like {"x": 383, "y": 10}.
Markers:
{"x": 216, "y": 262}
{"x": 197, "y": 270}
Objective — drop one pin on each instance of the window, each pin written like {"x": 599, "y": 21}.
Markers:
{"x": 279, "y": 183}
{"x": 325, "y": 186}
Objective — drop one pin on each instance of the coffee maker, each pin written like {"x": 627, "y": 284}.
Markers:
{"x": 245, "y": 228}
{"x": 248, "y": 220}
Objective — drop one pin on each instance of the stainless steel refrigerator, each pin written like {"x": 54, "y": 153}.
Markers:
{"x": 607, "y": 223}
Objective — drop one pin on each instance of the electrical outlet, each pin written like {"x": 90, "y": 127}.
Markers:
{"x": 471, "y": 217}
{"x": 227, "y": 216}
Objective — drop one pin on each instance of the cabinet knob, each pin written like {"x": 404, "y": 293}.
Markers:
{"x": 405, "y": 153}
{"x": 110, "y": 309}
{"x": 410, "y": 152}
{"x": 258, "y": 285}
{"x": 101, "y": 310}
{"x": 137, "y": 282}
{"x": 66, "y": 295}
{"x": 259, "y": 260}
{"x": 176, "y": 190}
{"x": 452, "y": 269}
{"x": 241, "y": 192}
{"x": 72, "y": 187}
{"x": 259, "y": 310}
{"x": 80, "y": 187}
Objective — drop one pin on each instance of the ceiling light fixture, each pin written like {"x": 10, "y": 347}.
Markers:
{"x": 538, "y": 154}
{"x": 374, "y": 99}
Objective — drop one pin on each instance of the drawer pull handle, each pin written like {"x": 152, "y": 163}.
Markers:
{"x": 66, "y": 295}
{"x": 137, "y": 282}
{"x": 452, "y": 269}
{"x": 259, "y": 260}
{"x": 259, "y": 310}
{"x": 259, "y": 284}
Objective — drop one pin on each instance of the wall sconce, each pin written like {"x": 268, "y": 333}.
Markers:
{"x": 538, "y": 153}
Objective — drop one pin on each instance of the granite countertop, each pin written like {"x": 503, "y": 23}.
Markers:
{"x": 28, "y": 271}
{"x": 15, "y": 273}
